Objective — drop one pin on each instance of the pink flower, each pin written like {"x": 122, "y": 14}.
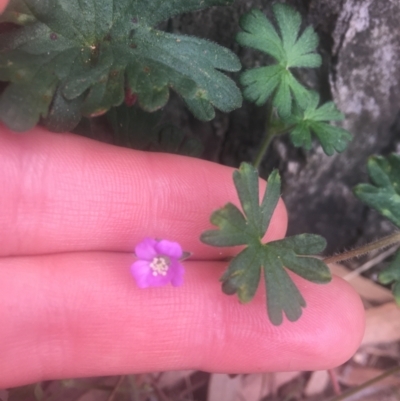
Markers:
{"x": 158, "y": 263}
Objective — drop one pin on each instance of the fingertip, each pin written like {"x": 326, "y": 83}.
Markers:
{"x": 84, "y": 315}
{"x": 326, "y": 335}
{"x": 336, "y": 322}
{"x": 350, "y": 314}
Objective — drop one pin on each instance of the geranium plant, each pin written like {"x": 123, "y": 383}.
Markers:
{"x": 65, "y": 62}
{"x": 70, "y": 59}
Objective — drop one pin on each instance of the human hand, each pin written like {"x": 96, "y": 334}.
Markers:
{"x": 72, "y": 211}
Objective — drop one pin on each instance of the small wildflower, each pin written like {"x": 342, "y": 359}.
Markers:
{"x": 158, "y": 263}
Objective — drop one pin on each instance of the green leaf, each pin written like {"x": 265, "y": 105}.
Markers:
{"x": 289, "y": 48}
{"x": 292, "y": 251}
{"x": 246, "y": 183}
{"x": 96, "y": 49}
{"x": 391, "y": 275}
{"x": 283, "y": 297}
{"x": 282, "y": 294}
{"x": 384, "y": 194}
{"x": 243, "y": 274}
{"x": 304, "y": 244}
{"x": 22, "y": 104}
{"x": 314, "y": 119}
{"x": 260, "y": 83}
{"x": 234, "y": 229}
{"x": 270, "y": 199}
{"x": 64, "y": 114}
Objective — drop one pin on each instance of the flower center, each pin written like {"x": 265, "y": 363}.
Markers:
{"x": 160, "y": 265}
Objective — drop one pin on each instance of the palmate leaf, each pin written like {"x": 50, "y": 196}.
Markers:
{"x": 83, "y": 55}
{"x": 289, "y": 48}
{"x": 384, "y": 196}
{"x": 248, "y": 228}
{"x": 314, "y": 119}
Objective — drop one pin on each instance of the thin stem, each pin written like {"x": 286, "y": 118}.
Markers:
{"x": 264, "y": 147}
{"x": 362, "y": 250}
{"x": 368, "y": 383}
{"x": 269, "y": 135}
{"x": 370, "y": 263}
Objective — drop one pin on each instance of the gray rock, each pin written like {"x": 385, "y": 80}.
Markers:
{"x": 364, "y": 77}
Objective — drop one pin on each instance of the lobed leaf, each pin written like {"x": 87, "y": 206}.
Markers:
{"x": 384, "y": 195}
{"x": 246, "y": 183}
{"x": 270, "y": 199}
{"x": 258, "y": 33}
{"x": 233, "y": 228}
{"x": 289, "y": 22}
{"x": 96, "y": 49}
{"x": 282, "y": 294}
{"x": 243, "y": 274}
{"x": 303, "y": 244}
{"x": 260, "y": 83}
{"x": 288, "y": 48}
{"x": 283, "y": 297}
{"x": 302, "y": 54}
{"x": 314, "y": 119}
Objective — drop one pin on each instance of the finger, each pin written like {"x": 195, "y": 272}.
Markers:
{"x": 76, "y": 315}
{"x": 68, "y": 193}
{"x": 3, "y": 5}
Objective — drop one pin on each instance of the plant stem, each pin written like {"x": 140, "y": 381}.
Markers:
{"x": 368, "y": 383}
{"x": 269, "y": 134}
{"x": 362, "y": 250}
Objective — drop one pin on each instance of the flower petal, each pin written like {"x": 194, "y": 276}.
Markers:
{"x": 146, "y": 249}
{"x": 177, "y": 272}
{"x": 148, "y": 276}
{"x": 169, "y": 248}
{"x": 159, "y": 281}
{"x": 142, "y": 273}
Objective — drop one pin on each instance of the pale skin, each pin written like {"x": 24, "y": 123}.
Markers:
{"x": 71, "y": 212}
